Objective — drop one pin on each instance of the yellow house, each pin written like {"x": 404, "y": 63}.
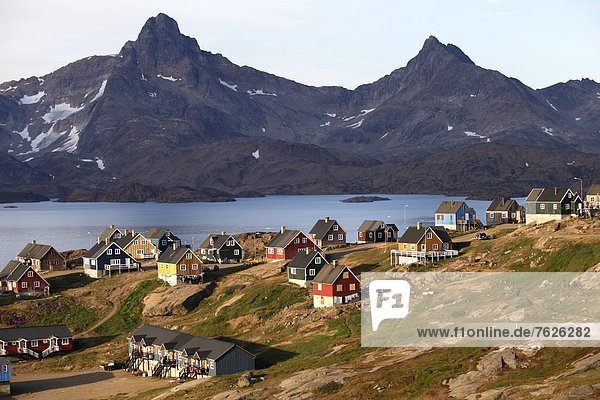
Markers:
{"x": 179, "y": 263}
{"x": 138, "y": 246}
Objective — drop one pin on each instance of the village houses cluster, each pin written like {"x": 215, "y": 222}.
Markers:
{"x": 155, "y": 351}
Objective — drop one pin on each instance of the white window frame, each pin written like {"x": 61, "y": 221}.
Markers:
{"x": 188, "y": 256}
{"x": 34, "y": 343}
{"x": 183, "y": 267}
{"x": 164, "y": 242}
{"x": 335, "y": 227}
{"x": 542, "y": 206}
{"x": 194, "y": 266}
{"x": 236, "y": 252}
{"x": 297, "y": 240}
{"x": 317, "y": 260}
{"x": 142, "y": 242}
{"x": 567, "y": 206}
{"x": 140, "y": 251}
{"x": 429, "y": 235}
{"x": 135, "y": 242}
{"x": 23, "y": 285}
{"x": 293, "y": 271}
{"x": 339, "y": 287}
{"x": 280, "y": 251}
{"x": 353, "y": 286}
{"x": 271, "y": 250}
{"x": 319, "y": 286}
{"x": 346, "y": 275}
{"x": 115, "y": 261}
{"x": 36, "y": 284}
{"x": 117, "y": 252}
{"x": 109, "y": 252}
{"x": 340, "y": 236}
{"x": 303, "y": 240}
{"x": 312, "y": 272}
{"x": 30, "y": 274}
{"x": 330, "y": 237}
{"x": 64, "y": 341}
{"x": 435, "y": 246}
{"x": 555, "y": 206}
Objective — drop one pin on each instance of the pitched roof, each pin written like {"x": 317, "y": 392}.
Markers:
{"x": 35, "y": 332}
{"x": 180, "y": 341}
{"x": 172, "y": 256}
{"x": 392, "y": 227}
{"x": 13, "y": 271}
{"x": 329, "y": 273}
{"x": 4, "y": 361}
{"x": 218, "y": 241}
{"x": 126, "y": 240}
{"x": 370, "y": 225}
{"x": 449, "y": 207}
{"x": 549, "y": 195}
{"x": 96, "y": 250}
{"x": 303, "y": 259}
{"x": 414, "y": 235}
{"x": 108, "y": 232}
{"x": 158, "y": 232}
{"x": 501, "y": 204}
{"x": 594, "y": 189}
{"x": 283, "y": 239}
{"x": 323, "y": 226}
{"x": 35, "y": 251}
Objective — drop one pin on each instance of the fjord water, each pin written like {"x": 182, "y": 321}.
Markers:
{"x": 76, "y": 225}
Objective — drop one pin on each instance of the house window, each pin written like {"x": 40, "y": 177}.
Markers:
{"x": 339, "y": 287}
{"x": 451, "y": 217}
{"x": 230, "y": 243}
{"x": 379, "y": 234}
{"x": 36, "y": 284}
{"x": 293, "y": 271}
{"x": 143, "y": 242}
{"x": 280, "y": 251}
{"x": 117, "y": 236}
{"x": 115, "y": 261}
{"x": 65, "y": 341}
{"x": 317, "y": 260}
{"x": 435, "y": 246}
{"x": 346, "y": 275}
{"x": 140, "y": 251}
{"x": 109, "y": 252}
{"x": 14, "y": 343}
{"x": 353, "y": 286}
{"x": 271, "y": 250}
{"x": 329, "y": 237}
{"x": 542, "y": 206}
{"x": 135, "y": 242}
{"x": 236, "y": 252}
{"x": 319, "y": 286}
{"x": 340, "y": 236}
{"x": 5, "y": 368}
{"x": 117, "y": 252}
{"x": 188, "y": 256}
{"x": 183, "y": 267}
{"x": 555, "y": 206}
{"x": 335, "y": 227}
{"x": 30, "y": 274}
{"x": 303, "y": 240}
{"x": 370, "y": 234}
{"x": 412, "y": 246}
{"x": 297, "y": 240}
{"x": 194, "y": 266}
{"x": 164, "y": 242}
{"x": 429, "y": 235}
{"x": 311, "y": 272}
{"x": 92, "y": 262}
{"x": 567, "y": 206}
{"x": 360, "y": 234}
{"x": 34, "y": 343}
{"x": 24, "y": 285}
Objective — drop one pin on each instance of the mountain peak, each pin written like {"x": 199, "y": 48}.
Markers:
{"x": 161, "y": 24}
{"x": 434, "y": 48}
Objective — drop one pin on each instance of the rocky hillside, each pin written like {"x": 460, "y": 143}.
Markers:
{"x": 165, "y": 113}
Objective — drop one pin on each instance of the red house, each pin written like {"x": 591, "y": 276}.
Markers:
{"x": 36, "y": 341}
{"x": 22, "y": 278}
{"x": 334, "y": 284}
{"x": 287, "y": 243}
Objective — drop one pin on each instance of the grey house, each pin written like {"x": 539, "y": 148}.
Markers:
{"x": 221, "y": 248}
{"x": 162, "y": 238}
{"x": 504, "y": 211}
{"x": 165, "y": 353}
{"x": 305, "y": 266}
{"x": 552, "y": 204}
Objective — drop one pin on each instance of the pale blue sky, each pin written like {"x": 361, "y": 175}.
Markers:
{"x": 317, "y": 42}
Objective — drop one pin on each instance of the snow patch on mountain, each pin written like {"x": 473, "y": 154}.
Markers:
{"x": 24, "y": 133}
{"x": 168, "y": 78}
{"x": 332, "y": 115}
{"x": 548, "y": 131}
{"x": 100, "y": 91}
{"x": 384, "y": 136}
{"x": 228, "y": 85}
{"x": 474, "y": 134}
{"x": 356, "y": 124}
{"x": 32, "y": 99}
{"x": 100, "y": 164}
{"x": 256, "y": 154}
{"x": 450, "y": 127}
{"x": 70, "y": 145}
{"x": 254, "y": 92}
{"x": 59, "y": 112}
{"x": 550, "y": 104}
{"x": 9, "y": 88}
{"x": 45, "y": 139}
{"x": 328, "y": 123}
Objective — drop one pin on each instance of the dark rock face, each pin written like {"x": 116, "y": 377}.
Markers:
{"x": 164, "y": 113}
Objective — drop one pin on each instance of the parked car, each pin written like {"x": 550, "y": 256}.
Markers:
{"x": 481, "y": 236}
{"x": 113, "y": 365}
{"x": 250, "y": 262}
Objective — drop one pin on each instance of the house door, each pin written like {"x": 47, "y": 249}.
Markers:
{"x": 423, "y": 247}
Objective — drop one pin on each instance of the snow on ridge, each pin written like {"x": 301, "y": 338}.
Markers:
{"x": 256, "y": 154}
{"x": 548, "y": 130}
{"x": 346, "y": 119}
{"x": 472, "y": 95}
{"x": 29, "y": 159}
{"x": 254, "y": 92}
{"x": 168, "y": 78}
{"x": 45, "y": 139}
{"x": 365, "y": 112}
{"x": 70, "y": 145}
{"x": 59, "y": 112}
{"x": 356, "y": 124}
{"x": 100, "y": 91}
{"x": 9, "y": 88}
{"x": 474, "y": 134}
{"x": 328, "y": 123}
{"x": 384, "y": 135}
{"x": 332, "y": 115}
{"x": 554, "y": 108}
{"x": 24, "y": 133}
{"x": 228, "y": 85}
{"x": 87, "y": 160}
{"x": 450, "y": 127}
{"x": 577, "y": 119}
{"x": 527, "y": 164}
{"x": 144, "y": 78}
{"x": 34, "y": 98}
{"x": 152, "y": 94}
{"x": 40, "y": 80}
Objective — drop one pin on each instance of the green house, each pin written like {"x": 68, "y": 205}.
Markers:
{"x": 551, "y": 204}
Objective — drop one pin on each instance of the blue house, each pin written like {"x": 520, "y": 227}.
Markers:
{"x": 5, "y": 375}
{"x": 106, "y": 257}
{"x": 456, "y": 215}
